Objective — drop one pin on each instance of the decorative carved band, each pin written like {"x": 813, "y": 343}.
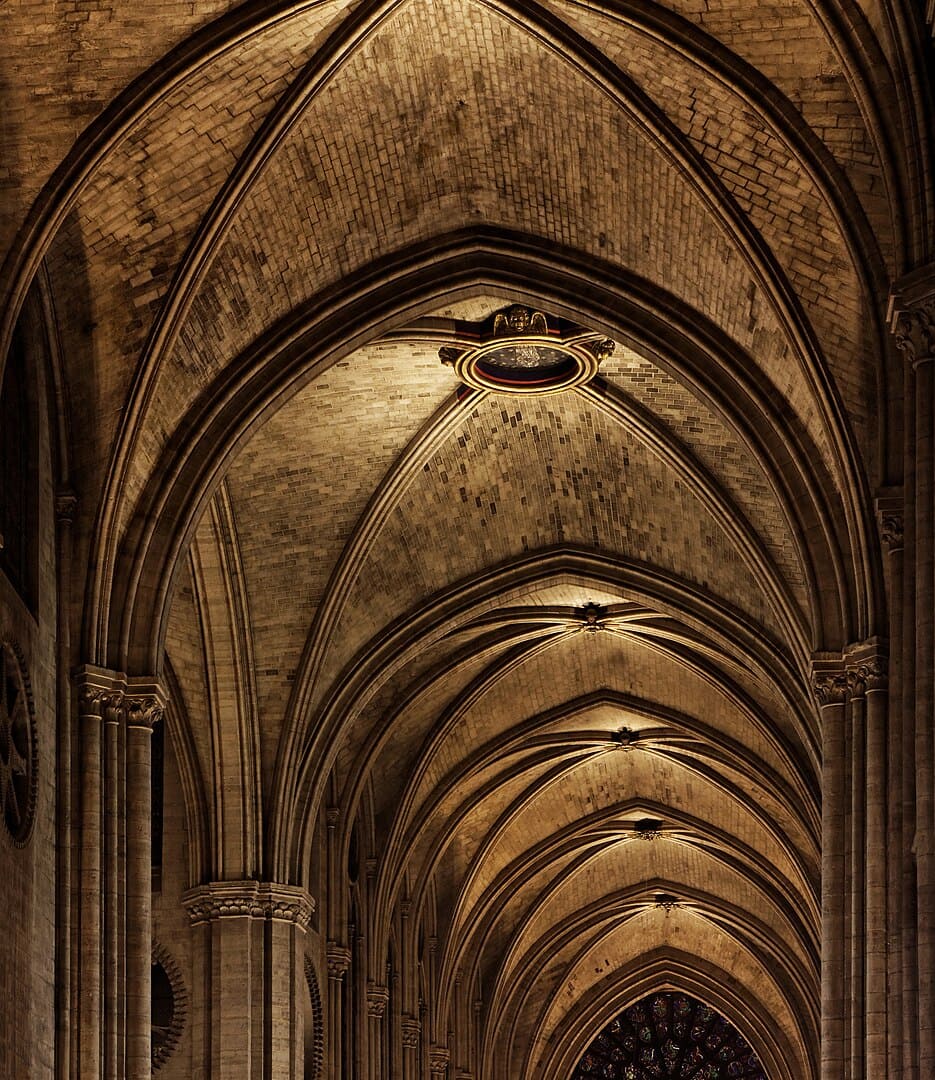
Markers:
{"x": 377, "y": 999}
{"x": 339, "y": 960}
{"x": 249, "y": 899}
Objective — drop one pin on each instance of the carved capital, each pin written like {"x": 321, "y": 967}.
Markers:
{"x": 221, "y": 900}
{"x": 867, "y": 666}
{"x": 248, "y": 899}
{"x": 855, "y": 682}
{"x": 829, "y": 679}
{"x": 377, "y": 999}
{"x": 286, "y": 903}
{"x": 914, "y": 333}
{"x": 891, "y": 529}
{"x": 100, "y": 691}
{"x": 66, "y": 504}
{"x": 666, "y": 901}
{"x": 889, "y": 508}
{"x": 830, "y": 689}
{"x": 411, "y": 1031}
{"x": 875, "y": 673}
{"x": 143, "y": 710}
{"x": 439, "y": 1057}
{"x": 332, "y": 817}
{"x": 912, "y": 316}
{"x": 338, "y": 958}
{"x": 112, "y": 697}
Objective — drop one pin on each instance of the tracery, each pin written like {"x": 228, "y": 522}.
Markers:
{"x": 669, "y": 1035}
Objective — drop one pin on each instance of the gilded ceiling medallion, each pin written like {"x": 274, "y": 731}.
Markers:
{"x": 524, "y": 356}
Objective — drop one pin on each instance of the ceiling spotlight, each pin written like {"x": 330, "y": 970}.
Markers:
{"x": 648, "y": 828}
{"x": 592, "y": 617}
{"x": 666, "y": 901}
{"x": 625, "y": 738}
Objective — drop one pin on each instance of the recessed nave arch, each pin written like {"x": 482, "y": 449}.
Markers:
{"x": 490, "y": 444}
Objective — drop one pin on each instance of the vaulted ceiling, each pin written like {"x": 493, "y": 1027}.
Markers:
{"x": 257, "y": 228}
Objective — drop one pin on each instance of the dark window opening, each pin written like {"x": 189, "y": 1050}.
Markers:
{"x": 19, "y": 475}
{"x": 157, "y": 764}
{"x": 163, "y": 1011}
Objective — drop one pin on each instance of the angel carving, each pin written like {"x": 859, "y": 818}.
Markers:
{"x": 519, "y": 320}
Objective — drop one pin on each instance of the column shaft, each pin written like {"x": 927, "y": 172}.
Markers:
{"x": 139, "y": 934}
{"x": 410, "y": 1031}
{"x": 875, "y": 895}
{"x": 65, "y": 762}
{"x": 89, "y": 921}
{"x": 925, "y": 714}
{"x": 830, "y": 688}
{"x": 111, "y": 861}
{"x": 896, "y": 846}
{"x": 855, "y": 871}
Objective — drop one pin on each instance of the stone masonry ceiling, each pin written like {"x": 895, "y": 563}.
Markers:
{"x": 505, "y": 661}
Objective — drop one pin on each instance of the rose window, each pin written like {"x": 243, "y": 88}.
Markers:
{"x": 669, "y": 1035}
{"x": 18, "y": 753}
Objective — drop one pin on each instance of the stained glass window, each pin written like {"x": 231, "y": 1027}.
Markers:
{"x": 669, "y": 1035}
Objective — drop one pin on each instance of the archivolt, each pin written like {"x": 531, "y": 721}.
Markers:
{"x": 668, "y": 969}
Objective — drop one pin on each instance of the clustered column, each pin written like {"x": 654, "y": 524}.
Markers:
{"x": 114, "y": 919}
{"x": 377, "y": 999}
{"x": 852, "y": 692}
{"x": 338, "y": 958}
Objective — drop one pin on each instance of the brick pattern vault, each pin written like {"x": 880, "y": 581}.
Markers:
{"x": 467, "y": 539}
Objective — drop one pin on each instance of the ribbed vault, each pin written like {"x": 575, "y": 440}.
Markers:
{"x": 515, "y": 685}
